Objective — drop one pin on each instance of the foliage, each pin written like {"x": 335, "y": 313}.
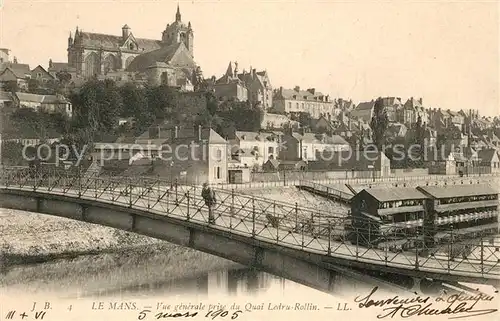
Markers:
{"x": 379, "y": 123}
{"x": 12, "y": 153}
{"x": 10, "y": 86}
{"x": 26, "y": 122}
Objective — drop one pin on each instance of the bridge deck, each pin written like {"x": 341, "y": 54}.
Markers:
{"x": 250, "y": 223}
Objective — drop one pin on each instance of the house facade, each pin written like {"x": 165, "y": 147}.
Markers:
{"x": 15, "y": 73}
{"x": 310, "y": 101}
{"x": 47, "y": 103}
{"x": 194, "y": 156}
{"x": 255, "y": 148}
{"x": 41, "y": 75}
{"x": 310, "y": 146}
{"x": 230, "y": 86}
{"x": 489, "y": 160}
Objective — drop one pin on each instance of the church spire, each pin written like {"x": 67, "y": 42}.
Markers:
{"x": 178, "y": 14}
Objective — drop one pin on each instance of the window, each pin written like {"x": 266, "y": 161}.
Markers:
{"x": 217, "y": 172}
{"x": 219, "y": 155}
{"x": 270, "y": 150}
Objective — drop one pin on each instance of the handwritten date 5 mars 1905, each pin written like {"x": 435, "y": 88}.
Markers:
{"x": 212, "y": 314}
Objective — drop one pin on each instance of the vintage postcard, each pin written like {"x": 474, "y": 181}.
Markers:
{"x": 249, "y": 160}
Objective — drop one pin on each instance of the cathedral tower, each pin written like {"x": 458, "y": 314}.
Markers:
{"x": 178, "y": 32}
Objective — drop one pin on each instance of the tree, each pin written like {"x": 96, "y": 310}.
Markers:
{"x": 379, "y": 124}
{"x": 97, "y": 107}
{"x": 11, "y": 86}
{"x": 33, "y": 86}
{"x": 12, "y": 153}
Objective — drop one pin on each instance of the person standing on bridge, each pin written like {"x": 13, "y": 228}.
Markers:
{"x": 208, "y": 195}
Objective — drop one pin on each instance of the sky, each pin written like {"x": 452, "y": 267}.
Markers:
{"x": 446, "y": 52}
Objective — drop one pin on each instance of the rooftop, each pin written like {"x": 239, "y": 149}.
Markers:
{"x": 457, "y": 190}
{"x": 395, "y": 194}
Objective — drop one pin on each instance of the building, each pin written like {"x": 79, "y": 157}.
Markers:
{"x": 4, "y": 55}
{"x": 47, "y": 103}
{"x": 41, "y": 75}
{"x": 274, "y": 165}
{"x": 364, "y": 111}
{"x": 15, "y": 73}
{"x": 489, "y": 160}
{"x": 194, "y": 156}
{"x": 310, "y": 146}
{"x": 411, "y": 111}
{"x": 277, "y": 121}
{"x": 461, "y": 212}
{"x": 392, "y": 105}
{"x": 259, "y": 88}
{"x": 56, "y": 68}
{"x": 310, "y": 101}
{"x": 440, "y": 161}
{"x": 253, "y": 149}
{"x": 442, "y": 119}
{"x": 388, "y": 218}
{"x": 418, "y": 218}
{"x": 230, "y": 86}
{"x": 157, "y": 61}
{"x": 358, "y": 163}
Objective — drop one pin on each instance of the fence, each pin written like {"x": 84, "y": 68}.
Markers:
{"x": 279, "y": 223}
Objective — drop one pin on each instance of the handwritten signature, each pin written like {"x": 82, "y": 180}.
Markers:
{"x": 417, "y": 306}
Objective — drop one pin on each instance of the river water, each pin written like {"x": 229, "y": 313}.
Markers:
{"x": 121, "y": 286}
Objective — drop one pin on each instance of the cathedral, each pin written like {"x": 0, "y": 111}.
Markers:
{"x": 166, "y": 61}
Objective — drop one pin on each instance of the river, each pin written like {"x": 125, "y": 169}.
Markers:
{"x": 120, "y": 285}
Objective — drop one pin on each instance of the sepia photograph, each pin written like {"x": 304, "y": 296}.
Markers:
{"x": 249, "y": 160}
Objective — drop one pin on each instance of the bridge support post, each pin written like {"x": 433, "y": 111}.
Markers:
{"x": 253, "y": 217}
{"x": 130, "y": 193}
{"x": 232, "y": 210}
{"x": 416, "y": 287}
{"x": 187, "y": 198}
{"x": 329, "y": 238}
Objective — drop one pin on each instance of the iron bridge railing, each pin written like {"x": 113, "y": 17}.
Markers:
{"x": 286, "y": 224}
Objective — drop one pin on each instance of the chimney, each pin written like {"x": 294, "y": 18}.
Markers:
{"x": 125, "y": 32}
{"x": 297, "y": 88}
{"x": 420, "y": 101}
{"x": 312, "y": 90}
{"x": 50, "y": 63}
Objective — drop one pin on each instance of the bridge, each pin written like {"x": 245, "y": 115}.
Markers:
{"x": 326, "y": 191}
{"x": 301, "y": 244}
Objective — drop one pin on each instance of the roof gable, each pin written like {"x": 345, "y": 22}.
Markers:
{"x": 40, "y": 69}
{"x": 130, "y": 40}
{"x": 488, "y": 155}
{"x": 365, "y": 106}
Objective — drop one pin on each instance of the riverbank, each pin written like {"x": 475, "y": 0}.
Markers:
{"x": 29, "y": 238}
